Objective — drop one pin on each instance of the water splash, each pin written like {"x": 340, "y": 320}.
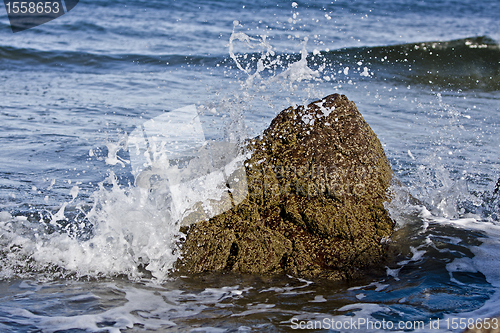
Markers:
{"x": 127, "y": 233}
{"x": 132, "y": 229}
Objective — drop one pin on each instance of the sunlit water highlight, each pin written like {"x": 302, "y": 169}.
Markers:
{"x": 84, "y": 247}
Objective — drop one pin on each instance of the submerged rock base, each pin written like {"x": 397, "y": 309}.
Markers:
{"x": 317, "y": 180}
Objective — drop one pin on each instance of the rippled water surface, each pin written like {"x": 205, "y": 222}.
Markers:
{"x": 84, "y": 248}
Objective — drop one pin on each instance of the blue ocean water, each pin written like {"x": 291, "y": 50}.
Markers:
{"x": 85, "y": 249}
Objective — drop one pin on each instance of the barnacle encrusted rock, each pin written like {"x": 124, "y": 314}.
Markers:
{"x": 317, "y": 180}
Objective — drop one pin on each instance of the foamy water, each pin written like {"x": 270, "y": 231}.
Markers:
{"x": 133, "y": 230}
{"x": 111, "y": 141}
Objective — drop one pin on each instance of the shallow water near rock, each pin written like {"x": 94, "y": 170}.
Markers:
{"x": 85, "y": 247}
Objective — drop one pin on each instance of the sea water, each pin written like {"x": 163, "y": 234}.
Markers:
{"x": 87, "y": 245}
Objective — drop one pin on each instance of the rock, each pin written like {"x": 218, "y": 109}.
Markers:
{"x": 317, "y": 180}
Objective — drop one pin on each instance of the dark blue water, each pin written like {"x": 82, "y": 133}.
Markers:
{"x": 85, "y": 249}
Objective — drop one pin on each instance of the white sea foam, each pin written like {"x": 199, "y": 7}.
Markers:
{"x": 171, "y": 158}
{"x": 318, "y": 299}
{"x": 133, "y": 230}
{"x": 129, "y": 231}
{"x": 485, "y": 261}
{"x": 5, "y": 216}
{"x": 290, "y": 74}
{"x": 153, "y": 308}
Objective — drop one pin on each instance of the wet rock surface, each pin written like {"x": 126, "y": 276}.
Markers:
{"x": 317, "y": 180}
